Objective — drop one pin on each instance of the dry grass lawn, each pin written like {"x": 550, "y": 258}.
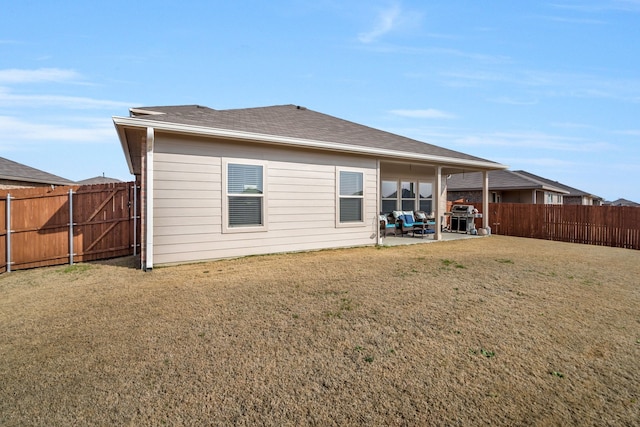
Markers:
{"x": 497, "y": 330}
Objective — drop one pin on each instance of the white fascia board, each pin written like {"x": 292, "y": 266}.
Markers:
{"x": 300, "y": 142}
{"x": 124, "y": 143}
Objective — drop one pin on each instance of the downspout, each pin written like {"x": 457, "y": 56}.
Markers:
{"x": 148, "y": 265}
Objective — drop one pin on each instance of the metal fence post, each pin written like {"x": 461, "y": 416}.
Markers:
{"x": 8, "y": 239}
{"x": 71, "y": 226}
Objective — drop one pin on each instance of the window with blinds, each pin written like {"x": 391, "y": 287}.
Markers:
{"x": 351, "y": 196}
{"x": 245, "y": 195}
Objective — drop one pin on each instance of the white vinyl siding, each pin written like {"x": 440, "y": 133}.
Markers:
{"x": 300, "y": 197}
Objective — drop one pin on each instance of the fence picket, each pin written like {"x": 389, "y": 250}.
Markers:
{"x": 43, "y": 232}
{"x": 617, "y": 226}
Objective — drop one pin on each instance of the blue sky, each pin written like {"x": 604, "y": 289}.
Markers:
{"x": 552, "y": 88}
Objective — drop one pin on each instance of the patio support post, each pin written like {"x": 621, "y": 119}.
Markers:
{"x": 485, "y": 199}
{"x": 437, "y": 194}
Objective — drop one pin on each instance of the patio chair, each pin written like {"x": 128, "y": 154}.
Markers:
{"x": 387, "y": 223}
{"x": 429, "y": 223}
{"x": 408, "y": 223}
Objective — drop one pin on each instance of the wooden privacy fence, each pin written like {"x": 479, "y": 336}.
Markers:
{"x": 617, "y": 226}
{"x": 44, "y": 226}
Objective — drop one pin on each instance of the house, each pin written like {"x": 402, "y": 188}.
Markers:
{"x": 17, "y": 175}
{"x": 573, "y": 197}
{"x": 622, "y": 202}
{"x": 228, "y": 183}
{"x": 98, "y": 180}
{"x": 505, "y": 186}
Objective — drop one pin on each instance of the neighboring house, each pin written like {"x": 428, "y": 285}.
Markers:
{"x": 98, "y": 180}
{"x": 622, "y": 202}
{"x": 573, "y": 197}
{"x": 228, "y": 183}
{"x": 505, "y": 186}
{"x": 17, "y": 175}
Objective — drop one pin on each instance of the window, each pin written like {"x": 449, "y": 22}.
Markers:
{"x": 408, "y": 196}
{"x": 425, "y": 192}
{"x": 350, "y": 197}
{"x": 245, "y": 204}
{"x": 389, "y": 196}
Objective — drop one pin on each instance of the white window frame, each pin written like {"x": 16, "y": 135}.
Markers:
{"x": 413, "y": 183}
{"x": 362, "y": 197}
{"x": 418, "y": 199}
{"x": 396, "y": 199}
{"x": 225, "y": 197}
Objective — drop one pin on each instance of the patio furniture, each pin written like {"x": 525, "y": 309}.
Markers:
{"x": 408, "y": 223}
{"x": 387, "y": 223}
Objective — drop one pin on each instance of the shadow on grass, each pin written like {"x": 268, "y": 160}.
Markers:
{"x": 131, "y": 261}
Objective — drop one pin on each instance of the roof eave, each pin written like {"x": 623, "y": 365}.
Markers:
{"x": 36, "y": 181}
{"x": 123, "y": 122}
{"x": 123, "y": 142}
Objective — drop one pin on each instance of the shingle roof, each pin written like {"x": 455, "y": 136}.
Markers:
{"x": 623, "y": 202}
{"x": 498, "y": 180}
{"x": 14, "y": 171}
{"x": 98, "y": 180}
{"x": 572, "y": 191}
{"x": 295, "y": 122}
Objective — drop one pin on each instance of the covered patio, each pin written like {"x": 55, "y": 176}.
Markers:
{"x": 445, "y": 236}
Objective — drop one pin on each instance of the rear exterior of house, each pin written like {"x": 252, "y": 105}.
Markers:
{"x": 229, "y": 183}
{"x": 200, "y": 190}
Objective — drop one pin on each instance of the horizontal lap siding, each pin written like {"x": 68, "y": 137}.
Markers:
{"x": 301, "y": 198}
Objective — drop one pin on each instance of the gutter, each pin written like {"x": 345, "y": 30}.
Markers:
{"x": 136, "y": 122}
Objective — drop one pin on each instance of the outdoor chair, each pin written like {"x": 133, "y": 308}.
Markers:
{"x": 408, "y": 223}
{"x": 387, "y": 223}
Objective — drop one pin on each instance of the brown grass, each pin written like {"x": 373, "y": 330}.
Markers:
{"x": 496, "y": 330}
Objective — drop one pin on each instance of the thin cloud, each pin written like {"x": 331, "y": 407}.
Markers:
{"x": 512, "y": 101}
{"x": 630, "y": 132}
{"x": 620, "y": 5}
{"x": 41, "y": 75}
{"x": 14, "y": 131}
{"x": 387, "y": 19}
{"x": 546, "y": 84}
{"x": 8, "y": 99}
{"x": 538, "y": 161}
{"x": 576, "y": 20}
{"x": 533, "y": 140}
{"x": 429, "y": 113}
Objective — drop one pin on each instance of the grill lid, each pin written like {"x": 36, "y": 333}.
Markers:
{"x": 462, "y": 209}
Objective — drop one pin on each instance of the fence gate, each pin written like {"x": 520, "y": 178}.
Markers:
{"x": 43, "y": 227}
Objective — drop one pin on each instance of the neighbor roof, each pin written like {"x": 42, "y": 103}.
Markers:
{"x": 499, "y": 180}
{"x": 572, "y": 191}
{"x": 98, "y": 180}
{"x": 623, "y": 202}
{"x": 295, "y": 124}
{"x": 14, "y": 171}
